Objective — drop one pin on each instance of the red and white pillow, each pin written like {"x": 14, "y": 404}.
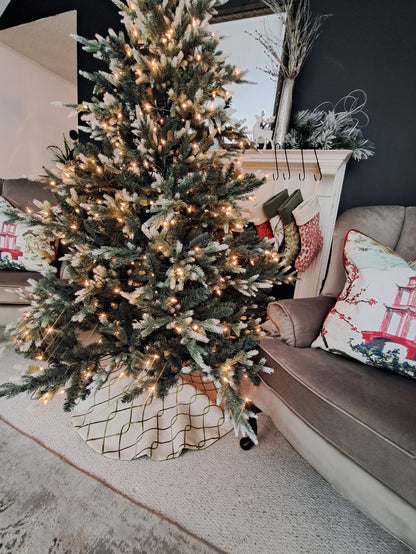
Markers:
{"x": 23, "y": 248}
{"x": 374, "y": 318}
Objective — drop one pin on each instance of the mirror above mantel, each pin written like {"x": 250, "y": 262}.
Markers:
{"x": 258, "y": 95}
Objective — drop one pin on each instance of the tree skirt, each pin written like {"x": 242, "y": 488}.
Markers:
{"x": 160, "y": 428}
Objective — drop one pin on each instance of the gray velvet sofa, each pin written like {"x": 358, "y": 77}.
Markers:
{"x": 20, "y": 193}
{"x": 355, "y": 424}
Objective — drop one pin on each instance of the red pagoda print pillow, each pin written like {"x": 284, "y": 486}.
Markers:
{"x": 374, "y": 318}
{"x": 23, "y": 248}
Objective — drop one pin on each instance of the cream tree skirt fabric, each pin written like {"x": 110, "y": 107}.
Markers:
{"x": 187, "y": 417}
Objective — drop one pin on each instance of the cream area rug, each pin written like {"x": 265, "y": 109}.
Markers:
{"x": 266, "y": 500}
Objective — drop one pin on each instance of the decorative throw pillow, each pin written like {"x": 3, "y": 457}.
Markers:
{"x": 374, "y": 318}
{"x": 23, "y": 248}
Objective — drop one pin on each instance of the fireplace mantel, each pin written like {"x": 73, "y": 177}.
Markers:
{"x": 304, "y": 169}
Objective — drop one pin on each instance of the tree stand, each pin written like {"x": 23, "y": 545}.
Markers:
{"x": 246, "y": 443}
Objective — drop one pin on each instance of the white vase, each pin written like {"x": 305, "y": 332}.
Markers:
{"x": 284, "y": 111}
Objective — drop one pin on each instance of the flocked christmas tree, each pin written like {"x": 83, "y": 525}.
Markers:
{"x": 165, "y": 276}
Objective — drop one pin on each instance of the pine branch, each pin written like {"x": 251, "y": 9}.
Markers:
{"x": 332, "y": 129}
{"x": 165, "y": 277}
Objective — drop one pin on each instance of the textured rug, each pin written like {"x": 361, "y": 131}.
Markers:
{"x": 267, "y": 500}
{"x": 48, "y": 506}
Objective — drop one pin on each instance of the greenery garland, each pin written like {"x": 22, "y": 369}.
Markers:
{"x": 329, "y": 129}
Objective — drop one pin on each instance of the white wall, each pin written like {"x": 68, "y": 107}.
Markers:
{"x": 29, "y": 123}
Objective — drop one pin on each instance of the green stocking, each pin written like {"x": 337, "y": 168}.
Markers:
{"x": 270, "y": 209}
{"x": 292, "y": 238}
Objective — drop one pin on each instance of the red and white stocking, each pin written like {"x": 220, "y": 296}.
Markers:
{"x": 307, "y": 219}
{"x": 254, "y": 212}
{"x": 264, "y": 230}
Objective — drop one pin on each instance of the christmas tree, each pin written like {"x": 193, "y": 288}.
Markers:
{"x": 165, "y": 275}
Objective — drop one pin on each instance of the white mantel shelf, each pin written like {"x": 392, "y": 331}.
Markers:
{"x": 332, "y": 164}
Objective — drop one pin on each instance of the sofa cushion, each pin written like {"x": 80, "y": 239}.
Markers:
{"x": 299, "y": 320}
{"x": 393, "y": 226}
{"x": 21, "y": 193}
{"x": 12, "y": 280}
{"x": 374, "y": 318}
{"x": 365, "y": 412}
{"x": 406, "y": 247}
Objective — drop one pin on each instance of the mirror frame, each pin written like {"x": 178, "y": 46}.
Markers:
{"x": 230, "y": 10}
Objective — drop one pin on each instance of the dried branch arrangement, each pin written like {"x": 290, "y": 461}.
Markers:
{"x": 301, "y": 31}
{"x": 288, "y": 55}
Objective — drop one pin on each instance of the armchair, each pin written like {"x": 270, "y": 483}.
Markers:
{"x": 20, "y": 193}
{"x": 354, "y": 423}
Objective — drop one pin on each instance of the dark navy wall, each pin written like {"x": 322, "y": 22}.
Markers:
{"x": 369, "y": 45}
{"x": 366, "y": 44}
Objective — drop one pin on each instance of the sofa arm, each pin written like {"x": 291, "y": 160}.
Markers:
{"x": 299, "y": 320}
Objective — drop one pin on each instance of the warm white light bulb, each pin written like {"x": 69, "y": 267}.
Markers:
{"x": 45, "y": 398}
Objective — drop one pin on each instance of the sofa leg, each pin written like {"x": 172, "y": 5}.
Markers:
{"x": 246, "y": 443}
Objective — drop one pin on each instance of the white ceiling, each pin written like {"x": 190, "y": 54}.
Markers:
{"x": 47, "y": 42}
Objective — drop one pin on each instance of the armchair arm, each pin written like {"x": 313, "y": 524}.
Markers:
{"x": 299, "y": 320}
